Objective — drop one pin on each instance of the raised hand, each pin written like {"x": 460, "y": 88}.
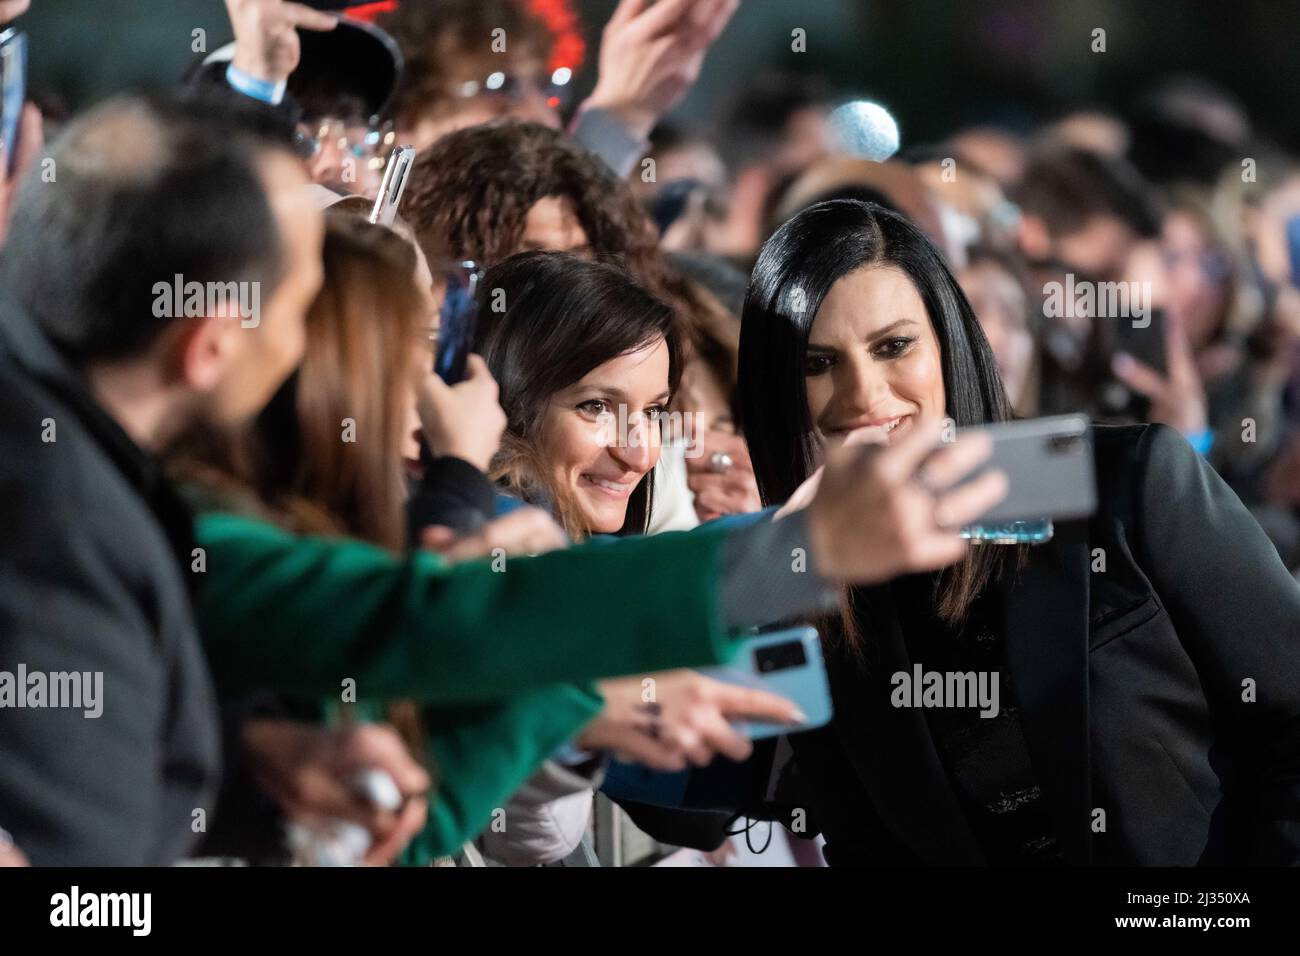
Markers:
{"x": 651, "y": 54}
{"x": 266, "y": 35}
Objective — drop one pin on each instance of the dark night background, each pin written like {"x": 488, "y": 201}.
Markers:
{"x": 937, "y": 64}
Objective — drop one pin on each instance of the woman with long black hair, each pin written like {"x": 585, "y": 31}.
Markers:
{"x": 588, "y": 362}
{"x": 1143, "y": 666}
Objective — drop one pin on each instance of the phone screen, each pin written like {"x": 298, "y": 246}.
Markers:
{"x": 456, "y": 320}
{"x": 1293, "y": 248}
{"x": 13, "y": 90}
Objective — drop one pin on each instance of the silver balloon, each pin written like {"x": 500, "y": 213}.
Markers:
{"x": 865, "y": 130}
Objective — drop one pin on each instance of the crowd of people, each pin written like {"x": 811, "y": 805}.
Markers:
{"x": 332, "y": 608}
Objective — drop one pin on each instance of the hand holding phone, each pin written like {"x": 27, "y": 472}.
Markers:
{"x": 465, "y": 420}
{"x": 786, "y": 663}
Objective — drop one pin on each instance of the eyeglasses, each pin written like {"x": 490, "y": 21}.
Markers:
{"x": 367, "y": 143}
{"x": 514, "y": 87}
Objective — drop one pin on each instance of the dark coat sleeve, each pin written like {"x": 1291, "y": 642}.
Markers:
{"x": 1237, "y": 611}
{"x": 452, "y": 493}
{"x": 73, "y": 787}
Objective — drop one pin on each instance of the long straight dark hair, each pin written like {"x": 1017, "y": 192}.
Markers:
{"x": 795, "y": 270}
{"x": 563, "y": 316}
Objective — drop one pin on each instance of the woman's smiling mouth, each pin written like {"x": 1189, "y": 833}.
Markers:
{"x": 614, "y": 489}
{"x": 890, "y": 426}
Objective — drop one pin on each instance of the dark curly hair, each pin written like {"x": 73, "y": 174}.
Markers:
{"x": 470, "y": 193}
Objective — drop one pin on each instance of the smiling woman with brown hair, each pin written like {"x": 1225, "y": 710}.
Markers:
{"x": 584, "y": 357}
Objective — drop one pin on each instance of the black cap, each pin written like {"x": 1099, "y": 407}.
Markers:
{"x": 352, "y": 68}
{"x": 354, "y": 60}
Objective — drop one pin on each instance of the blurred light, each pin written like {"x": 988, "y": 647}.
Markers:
{"x": 561, "y": 76}
{"x": 495, "y": 80}
{"x": 865, "y": 130}
{"x": 553, "y": 102}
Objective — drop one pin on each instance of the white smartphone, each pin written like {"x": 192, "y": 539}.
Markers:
{"x": 396, "y": 173}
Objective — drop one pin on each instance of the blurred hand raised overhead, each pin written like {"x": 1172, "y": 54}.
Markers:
{"x": 266, "y": 37}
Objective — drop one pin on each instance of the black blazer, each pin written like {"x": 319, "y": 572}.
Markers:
{"x": 94, "y": 567}
{"x": 1134, "y": 686}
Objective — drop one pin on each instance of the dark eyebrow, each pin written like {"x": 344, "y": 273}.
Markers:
{"x": 605, "y": 390}
{"x": 615, "y": 393}
{"x": 876, "y": 335}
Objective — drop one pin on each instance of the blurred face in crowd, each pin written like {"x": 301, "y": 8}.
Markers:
{"x": 705, "y": 397}
{"x": 1195, "y": 274}
{"x": 807, "y": 139}
{"x": 1097, "y": 132}
{"x": 1002, "y": 309}
{"x": 872, "y": 358}
{"x": 343, "y": 160}
{"x": 993, "y": 151}
{"x": 513, "y": 85}
{"x": 600, "y": 436}
{"x": 1099, "y": 249}
{"x": 552, "y": 225}
{"x": 261, "y": 357}
{"x": 1270, "y": 227}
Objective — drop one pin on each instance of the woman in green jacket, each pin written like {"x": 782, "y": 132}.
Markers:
{"x": 482, "y": 740}
{"x": 493, "y": 651}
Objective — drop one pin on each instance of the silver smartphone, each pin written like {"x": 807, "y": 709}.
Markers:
{"x": 396, "y": 173}
{"x": 1049, "y": 467}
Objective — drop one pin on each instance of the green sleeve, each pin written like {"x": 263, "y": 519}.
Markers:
{"x": 300, "y": 615}
{"x": 482, "y": 754}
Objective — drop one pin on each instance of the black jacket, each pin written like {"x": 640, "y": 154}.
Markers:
{"x": 1163, "y": 690}
{"x": 95, "y": 552}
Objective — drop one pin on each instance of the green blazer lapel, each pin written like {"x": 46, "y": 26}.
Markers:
{"x": 1046, "y": 610}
